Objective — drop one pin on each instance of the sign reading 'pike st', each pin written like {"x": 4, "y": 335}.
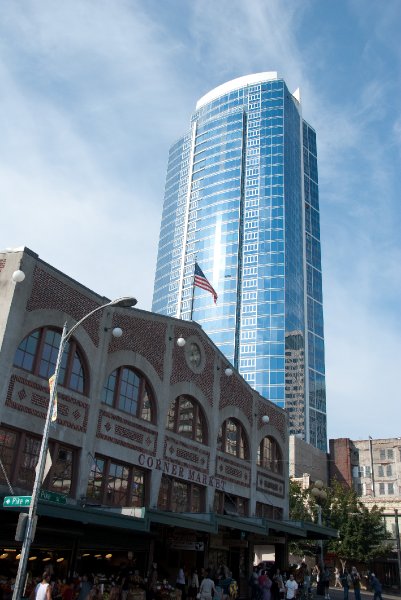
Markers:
{"x": 17, "y": 501}
{"x": 25, "y": 501}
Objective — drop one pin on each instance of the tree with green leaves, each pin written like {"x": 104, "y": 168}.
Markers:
{"x": 362, "y": 533}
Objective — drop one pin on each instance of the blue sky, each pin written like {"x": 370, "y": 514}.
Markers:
{"x": 94, "y": 93}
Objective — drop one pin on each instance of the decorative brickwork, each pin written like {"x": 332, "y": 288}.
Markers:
{"x": 130, "y": 434}
{"x": 234, "y": 392}
{"x": 141, "y": 335}
{"x": 186, "y": 454}
{"x": 235, "y": 472}
{"x": 49, "y": 292}
{"x": 2, "y": 263}
{"x": 269, "y": 485}
{"x": 32, "y": 398}
{"x": 277, "y": 418}
{"x": 182, "y": 372}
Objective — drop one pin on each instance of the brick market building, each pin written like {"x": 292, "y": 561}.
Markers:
{"x": 161, "y": 453}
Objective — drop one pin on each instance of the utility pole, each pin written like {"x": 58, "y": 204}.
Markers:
{"x": 397, "y": 534}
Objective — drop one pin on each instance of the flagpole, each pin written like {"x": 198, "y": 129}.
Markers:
{"x": 193, "y": 297}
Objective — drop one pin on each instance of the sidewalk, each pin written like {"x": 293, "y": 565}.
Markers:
{"x": 337, "y": 594}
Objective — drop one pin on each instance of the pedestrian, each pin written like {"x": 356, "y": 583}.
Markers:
{"x": 356, "y": 582}
{"x": 265, "y": 584}
{"x": 346, "y": 582}
{"x": 376, "y": 587}
{"x": 291, "y": 587}
{"x": 207, "y": 588}
{"x": 152, "y": 582}
{"x": 180, "y": 582}
{"x": 85, "y": 587}
{"x": 69, "y": 591}
{"x": 326, "y": 581}
{"x": 254, "y": 583}
{"x": 43, "y": 590}
{"x": 320, "y": 588}
{"x": 278, "y": 585}
{"x": 337, "y": 582}
{"x": 193, "y": 587}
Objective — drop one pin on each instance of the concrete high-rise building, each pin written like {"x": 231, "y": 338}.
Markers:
{"x": 241, "y": 200}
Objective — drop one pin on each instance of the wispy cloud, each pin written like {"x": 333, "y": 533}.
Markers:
{"x": 94, "y": 94}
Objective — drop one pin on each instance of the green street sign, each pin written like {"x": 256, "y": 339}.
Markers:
{"x": 52, "y": 497}
{"x": 21, "y": 501}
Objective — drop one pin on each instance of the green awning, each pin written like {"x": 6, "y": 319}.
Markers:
{"x": 293, "y": 528}
{"x": 251, "y": 524}
{"x": 94, "y": 516}
{"x": 194, "y": 521}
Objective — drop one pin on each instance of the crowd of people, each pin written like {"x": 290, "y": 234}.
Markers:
{"x": 297, "y": 582}
{"x": 206, "y": 584}
{"x": 127, "y": 584}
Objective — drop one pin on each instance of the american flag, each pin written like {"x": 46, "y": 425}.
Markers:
{"x": 201, "y": 281}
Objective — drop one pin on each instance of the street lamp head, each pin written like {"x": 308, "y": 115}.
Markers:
{"x": 181, "y": 342}
{"x": 265, "y": 419}
{"x": 117, "y": 332}
{"x": 124, "y": 302}
{"x": 18, "y": 276}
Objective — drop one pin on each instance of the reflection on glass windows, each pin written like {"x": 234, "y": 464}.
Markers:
{"x": 116, "y": 484}
{"x": 37, "y": 353}
{"x": 269, "y": 455}
{"x": 61, "y": 474}
{"x": 268, "y": 511}
{"x": 129, "y": 391}
{"x": 232, "y": 439}
{"x": 253, "y": 223}
{"x": 185, "y": 417}
{"x": 180, "y": 496}
{"x": 8, "y": 441}
{"x": 19, "y": 453}
{"x": 228, "y": 504}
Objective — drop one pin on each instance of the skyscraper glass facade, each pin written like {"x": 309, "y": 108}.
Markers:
{"x": 241, "y": 199}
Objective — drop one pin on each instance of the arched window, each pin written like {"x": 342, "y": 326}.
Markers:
{"x": 185, "y": 417}
{"x": 37, "y": 353}
{"x": 232, "y": 439}
{"x": 128, "y": 390}
{"x": 269, "y": 455}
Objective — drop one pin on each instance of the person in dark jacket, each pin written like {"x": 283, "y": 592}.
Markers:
{"x": 346, "y": 581}
{"x": 376, "y": 587}
{"x": 356, "y": 582}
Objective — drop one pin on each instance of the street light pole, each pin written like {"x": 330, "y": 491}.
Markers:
{"x": 320, "y": 495}
{"x": 19, "y": 586}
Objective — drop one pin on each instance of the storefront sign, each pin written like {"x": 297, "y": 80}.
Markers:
{"x": 196, "y": 546}
{"x": 175, "y": 470}
{"x": 271, "y": 539}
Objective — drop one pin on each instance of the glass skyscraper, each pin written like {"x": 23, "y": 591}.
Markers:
{"x": 241, "y": 199}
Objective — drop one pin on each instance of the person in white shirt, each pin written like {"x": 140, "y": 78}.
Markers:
{"x": 180, "y": 582}
{"x": 207, "y": 587}
{"x": 291, "y": 587}
{"x": 43, "y": 590}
